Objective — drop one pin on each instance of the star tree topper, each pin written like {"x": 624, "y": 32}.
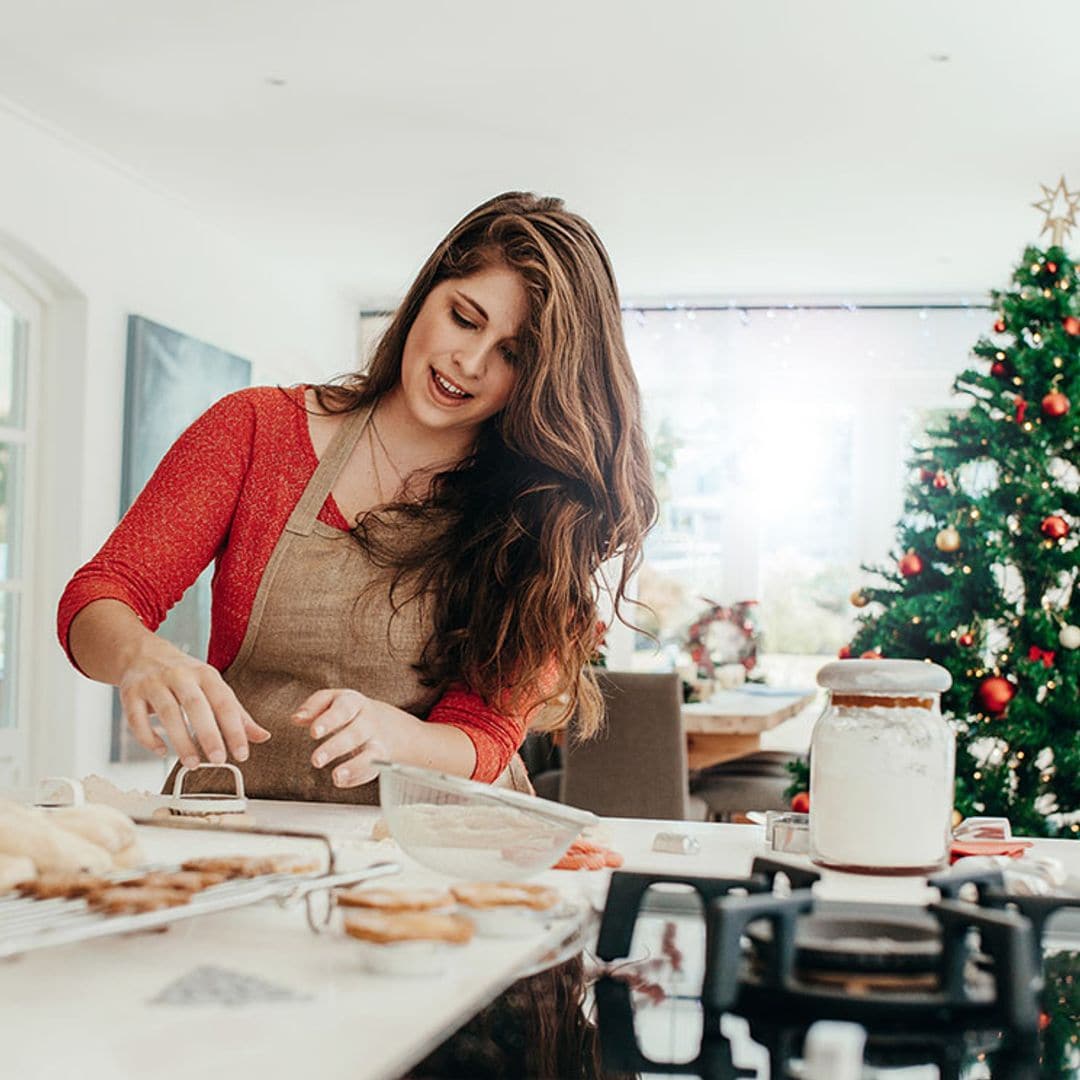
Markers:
{"x": 1059, "y": 206}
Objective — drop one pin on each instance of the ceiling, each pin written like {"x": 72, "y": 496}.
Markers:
{"x": 772, "y": 149}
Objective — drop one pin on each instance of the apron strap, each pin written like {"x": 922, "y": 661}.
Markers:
{"x": 302, "y": 519}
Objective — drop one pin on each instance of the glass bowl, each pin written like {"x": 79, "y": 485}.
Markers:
{"x": 470, "y": 830}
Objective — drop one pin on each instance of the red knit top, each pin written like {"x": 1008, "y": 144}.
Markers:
{"x": 223, "y": 494}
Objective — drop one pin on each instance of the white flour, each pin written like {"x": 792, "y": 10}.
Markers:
{"x": 881, "y": 789}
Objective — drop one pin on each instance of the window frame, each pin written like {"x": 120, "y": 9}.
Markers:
{"x": 15, "y": 739}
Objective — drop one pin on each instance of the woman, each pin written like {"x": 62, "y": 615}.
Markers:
{"x": 406, "y": 563}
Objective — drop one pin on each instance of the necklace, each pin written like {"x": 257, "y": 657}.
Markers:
{"x": 386, "y": 454}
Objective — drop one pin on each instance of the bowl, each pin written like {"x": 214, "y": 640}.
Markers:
{"x": 470, "y": 830}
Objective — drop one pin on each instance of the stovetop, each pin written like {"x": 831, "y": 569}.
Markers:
{"x": 971, "y": 986}
{"x": 723, "y": 978}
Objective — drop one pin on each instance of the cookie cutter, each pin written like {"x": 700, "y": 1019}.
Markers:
{"x": 676, "y": 843}
{"x": 983, "y": 828}
{"x": 787, "y": 831}
{"x": 202, "y": 803}
{"x": 54, "y": 792}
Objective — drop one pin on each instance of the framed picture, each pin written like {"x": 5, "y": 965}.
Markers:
{"x": 171, "y": 379}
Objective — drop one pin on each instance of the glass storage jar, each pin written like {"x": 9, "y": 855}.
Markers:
{"x": 882, "y": 766}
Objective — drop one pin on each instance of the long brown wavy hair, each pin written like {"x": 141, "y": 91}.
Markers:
{"x": 558, "y": 482}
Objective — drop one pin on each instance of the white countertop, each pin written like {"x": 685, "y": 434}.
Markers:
{"x": 88, "y": 1009}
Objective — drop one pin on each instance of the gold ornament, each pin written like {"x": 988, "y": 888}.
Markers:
{"x": 1059, "y": 206}
{"x": 859, "y": 599}
{"x": 947, "y": 540}
{"x": 957, "y": 817}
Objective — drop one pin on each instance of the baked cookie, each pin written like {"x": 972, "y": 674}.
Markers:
{"x": 191, "y": 881}
{"x": 394, "y": 899}
{"x": 69, "y": 885}
{"x": 133, "y": 900}
{"x": 291, "y": 864}
{"x": 232, "y": 866}
{"x": 383, "y": 928}
{"x": 247, "y": 866}
{"x": 492, "y": 894}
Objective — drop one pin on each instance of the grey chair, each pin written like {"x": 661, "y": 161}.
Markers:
{"x": 636, "y": 767}
{"x": 754, "y": 782}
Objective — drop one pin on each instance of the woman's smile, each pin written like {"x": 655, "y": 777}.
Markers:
{"x": 446, "y": 391}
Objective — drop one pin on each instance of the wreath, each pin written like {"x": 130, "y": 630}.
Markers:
{"x": 723, "y": 634}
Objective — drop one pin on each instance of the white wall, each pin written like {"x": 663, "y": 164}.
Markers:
{"x": 99, "y": 244}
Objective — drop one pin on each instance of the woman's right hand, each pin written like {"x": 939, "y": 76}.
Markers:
{"x": 162, "y": 680}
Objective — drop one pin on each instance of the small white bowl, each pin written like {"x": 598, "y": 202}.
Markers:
{"x": 406, "y": 943}
{"x": 507, "y": 920}
{"x": 404, "y": 957}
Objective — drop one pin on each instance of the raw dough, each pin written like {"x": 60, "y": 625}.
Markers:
{"x": 102, "y": 825}
{"x": 15, "y": 869}
{"x": 30, "y": 833}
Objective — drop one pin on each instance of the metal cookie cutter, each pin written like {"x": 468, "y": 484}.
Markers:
{"x": 202, "y": 803}
{"x": 676, "y": 843}
{"x": 788, "y": 832}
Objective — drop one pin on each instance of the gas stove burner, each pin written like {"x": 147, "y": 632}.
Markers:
{"x": 953, "y": 962}
{"x": 944, "y": 984}
{"x": 840, "y": 942}
{"x": 864, "y": 983}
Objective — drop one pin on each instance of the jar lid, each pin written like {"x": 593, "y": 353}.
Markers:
{"x": 884, "y": 676}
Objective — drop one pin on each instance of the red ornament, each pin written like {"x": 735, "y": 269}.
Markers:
{"x": 1052, "y": 267}
{"x": 844, "y": 652}
{"x": 999, "y": 369}
{"x": 1071, "y": 324}
{"x": 1021, "y": 409}
{"x": 911, "y": 565}
{"x": 800, "y": 802}
{"x": 967, "y": 639}
{"x": 870, "y": 654}
{"x": 995, "y": 694}
{"x": 1054, "y": 527}
{"x": 941, "y": 481}
{"x": 999, "y": 326}
{"x": 1045, "y": 656}
{"x": 1055, "y": 404}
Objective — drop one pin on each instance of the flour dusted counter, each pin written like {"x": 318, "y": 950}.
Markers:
{"x": 252, "y": 991}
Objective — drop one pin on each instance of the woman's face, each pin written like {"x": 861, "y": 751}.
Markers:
{"x": 459, "y": 362}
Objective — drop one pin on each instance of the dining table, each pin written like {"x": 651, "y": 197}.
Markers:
{"x": 731, "y": 722}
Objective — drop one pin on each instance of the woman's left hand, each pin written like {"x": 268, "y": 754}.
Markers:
{"x": 352, "y": 722}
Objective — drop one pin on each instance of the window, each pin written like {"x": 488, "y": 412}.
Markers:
{"x": 780, "y": 437}
{"x": 19, "y": 332}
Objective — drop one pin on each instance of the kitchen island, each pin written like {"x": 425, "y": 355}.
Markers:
{"x": 254, "y": 992}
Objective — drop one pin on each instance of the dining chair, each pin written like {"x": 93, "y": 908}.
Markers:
{"x": 636, "y": 766}
{"x": 754, "y": 782}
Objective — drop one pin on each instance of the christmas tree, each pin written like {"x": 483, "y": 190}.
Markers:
{"x": 984, "y": 578}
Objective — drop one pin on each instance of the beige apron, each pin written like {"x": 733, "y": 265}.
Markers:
{"x": 322, "y": 618}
